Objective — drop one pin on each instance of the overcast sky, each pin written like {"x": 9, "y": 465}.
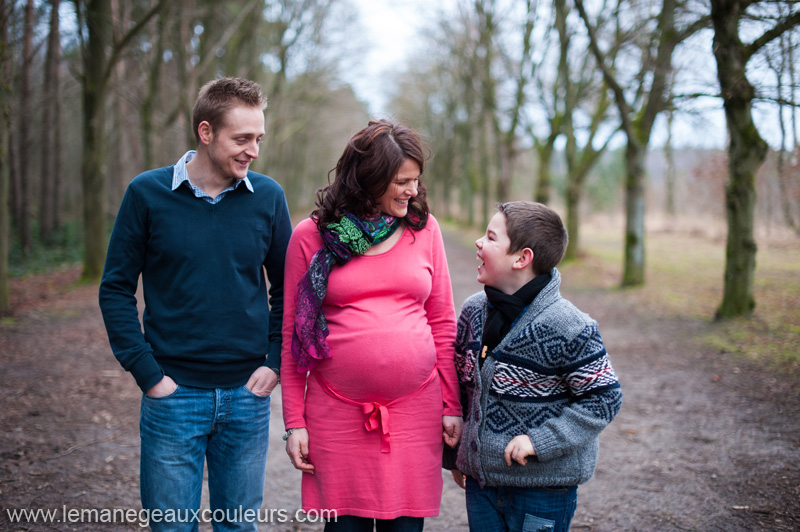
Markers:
{"x": 392, "y": 29}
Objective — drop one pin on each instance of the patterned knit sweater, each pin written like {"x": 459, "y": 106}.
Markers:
{"x": 549, "y": 378}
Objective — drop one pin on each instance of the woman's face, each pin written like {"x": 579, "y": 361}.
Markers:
{"x": 394, "y": 202}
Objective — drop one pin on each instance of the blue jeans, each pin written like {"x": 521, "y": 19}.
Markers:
{"x": 501, "y": 509}
{"x": 228, "y": 428}
{"x": 351, "y": 523}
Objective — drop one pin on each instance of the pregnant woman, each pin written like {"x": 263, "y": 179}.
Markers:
{"x": 367, "y": 376}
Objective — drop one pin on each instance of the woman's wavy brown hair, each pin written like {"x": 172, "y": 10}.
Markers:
{"x": 365, "y": 170}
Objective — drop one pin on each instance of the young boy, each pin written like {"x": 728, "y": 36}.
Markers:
{"x": 538, "y": 382}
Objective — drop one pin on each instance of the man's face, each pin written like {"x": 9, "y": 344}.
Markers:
{"x": 235, "y": 145}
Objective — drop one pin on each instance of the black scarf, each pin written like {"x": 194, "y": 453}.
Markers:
{"x": 504, "y": 309}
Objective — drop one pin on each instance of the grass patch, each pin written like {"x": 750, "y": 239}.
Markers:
{"x": 66, "y": 247}
{"x": 684, "y": 279}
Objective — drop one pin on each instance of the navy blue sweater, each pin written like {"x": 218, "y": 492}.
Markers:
{"x": 207, "y": 319}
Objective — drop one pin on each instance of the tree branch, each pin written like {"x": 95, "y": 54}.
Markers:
{"x": 119, "y": 47}
{"x": 699, "y": 24}
{"x": 776, "y": 31}
{"x": 612, "y": 82}
{"x": 232, "y": 28}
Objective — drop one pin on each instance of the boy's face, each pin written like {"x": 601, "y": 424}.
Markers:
{"x": 496, "y": 268}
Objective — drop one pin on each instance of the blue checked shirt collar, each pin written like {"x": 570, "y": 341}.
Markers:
{"x": 179, "y": 175}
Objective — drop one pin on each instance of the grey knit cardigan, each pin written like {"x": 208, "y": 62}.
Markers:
{"x": 549, "y": 378}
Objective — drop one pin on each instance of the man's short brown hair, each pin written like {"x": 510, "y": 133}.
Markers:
{"x": 217, "y": 97}
{"x": 538, "y": 227}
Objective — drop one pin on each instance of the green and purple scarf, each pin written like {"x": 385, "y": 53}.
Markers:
{"x": 341, "y": 241}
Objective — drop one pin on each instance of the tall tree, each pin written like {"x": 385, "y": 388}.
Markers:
{"x": 26, "y": 118}
{"x": 5, "y": 126}
{"x": 784, "y": 67}
{"x": 669, "y": 167}
{"x": 638, "y": 108}
{"x": 51, "y": 124}
{"x": 100, "y": 53}
{"x": 746, "y": 149}
{"x": 580, "y": 93}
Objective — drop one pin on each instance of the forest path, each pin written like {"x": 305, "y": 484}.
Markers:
{"x": 703, "y": 442}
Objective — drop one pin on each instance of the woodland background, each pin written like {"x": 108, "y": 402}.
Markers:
{"x": 569, "y": 102}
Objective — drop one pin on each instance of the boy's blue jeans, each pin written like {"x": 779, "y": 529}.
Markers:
{"x": 228, "y": 428}
{"x": 501, "y": 509}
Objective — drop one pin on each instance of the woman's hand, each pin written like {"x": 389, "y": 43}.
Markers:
{"x": 452, "y": 429}
{"x": 297, "y": 449}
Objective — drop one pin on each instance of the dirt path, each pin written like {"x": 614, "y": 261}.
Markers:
{"x": 702, "y": 443}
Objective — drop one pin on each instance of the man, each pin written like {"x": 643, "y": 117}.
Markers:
{"x": 201, "y": 233}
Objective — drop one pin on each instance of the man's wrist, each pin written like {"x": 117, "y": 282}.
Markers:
{"x": 276, "y": 371}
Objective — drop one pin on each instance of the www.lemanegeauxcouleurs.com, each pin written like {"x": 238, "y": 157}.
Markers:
{"x": 143, "y": 518}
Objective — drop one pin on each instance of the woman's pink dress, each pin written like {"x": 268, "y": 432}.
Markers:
{"x": 392, "y": 328}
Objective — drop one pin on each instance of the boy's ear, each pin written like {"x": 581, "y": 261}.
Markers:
{"x": 205, "y": 132}
{"x": 524, "y": 259}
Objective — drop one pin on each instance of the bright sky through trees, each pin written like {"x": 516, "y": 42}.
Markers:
{"x": 393, "y": 29}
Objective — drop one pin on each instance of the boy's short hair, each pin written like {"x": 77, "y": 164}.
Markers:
{"x": 217, "y": 97}
{"x": 538, "y": 227}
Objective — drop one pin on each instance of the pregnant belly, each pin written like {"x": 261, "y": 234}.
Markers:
{"x": 379, "y": 368}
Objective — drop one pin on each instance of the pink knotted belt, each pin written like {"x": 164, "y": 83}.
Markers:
{"x": 377, "y": 413}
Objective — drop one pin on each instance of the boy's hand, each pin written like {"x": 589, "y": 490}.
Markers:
{"x": 519, "y": 449}
{"x": 452, "y": 429}
{"x": 460, "y": 479}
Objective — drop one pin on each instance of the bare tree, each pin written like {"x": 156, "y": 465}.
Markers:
{"x": 746, "y": 149}
{"x": 669, "y": 170}
{"x": 784, "y": 67}
{"x": 580, "y": 93}
{"x": 5, "y": 126}
{"x": 26, "y": 117}
{"x": 100, "y": 53}
{"x": 51, "y": 125}
{"x": 638, "y": 108}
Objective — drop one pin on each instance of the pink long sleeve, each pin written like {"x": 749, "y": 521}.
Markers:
{"x": 442, "y": 319}
{"x": 293, "y": 384}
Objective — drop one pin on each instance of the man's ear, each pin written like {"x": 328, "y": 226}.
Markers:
{"x": 205, "y": 132}
{"x": 524, "y": 259}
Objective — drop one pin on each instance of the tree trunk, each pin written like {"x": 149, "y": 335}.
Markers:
{"x": 573, "y": 219}
{"x": 484, "y": 165}
{"x": 544, "y": 183}
{"x": 95, "y": 86}
{"x": 15, "y": 187}
{"x": 48, "y": 194}
{"x": 26, "y": 117}
{"x": 123, "y": 139}
{"x": 153, "y": 95}
{"x": 746, "y": 152}
{"x": 98, "y": 21}
{"x": 5, "y": 125}
{"x": 669, "y": 172}
{"x": 634, "y": 214}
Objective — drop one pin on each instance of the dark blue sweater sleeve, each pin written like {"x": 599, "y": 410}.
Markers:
{"x": 281, "y": 231}
{"x": 124, "y": 263}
